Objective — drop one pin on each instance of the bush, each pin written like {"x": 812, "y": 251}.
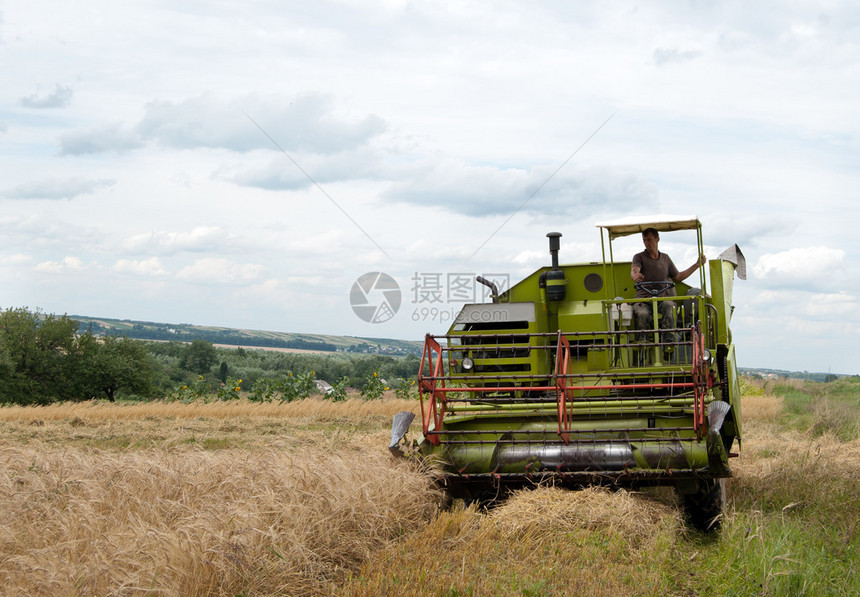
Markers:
{"x": 230, "y": 389}
{"x": 406, "y": 390}
{"x": 338, "y": 390}
{"x": 297, "y": 387}
{"x": 197, "y": 389}
{"x": 374, "y": 387}
{"x": 263, "y": 390}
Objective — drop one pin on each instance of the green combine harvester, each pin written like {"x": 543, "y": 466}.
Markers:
{"x": 551, "y": 383}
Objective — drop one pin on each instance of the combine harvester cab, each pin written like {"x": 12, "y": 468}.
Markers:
{"x": 551, "y": 383}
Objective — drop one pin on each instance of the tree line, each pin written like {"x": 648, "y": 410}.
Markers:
{"x": 43, "y": 359}
{"x": 46, "y": 358}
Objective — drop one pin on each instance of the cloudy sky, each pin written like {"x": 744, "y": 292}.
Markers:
{"x": 243, "y": 163}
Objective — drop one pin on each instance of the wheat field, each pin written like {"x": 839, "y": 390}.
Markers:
{"x": 238, "y": 498}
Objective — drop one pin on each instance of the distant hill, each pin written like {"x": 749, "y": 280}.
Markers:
{"x": 184, "y": 332}
{"x": 777, "y": 373}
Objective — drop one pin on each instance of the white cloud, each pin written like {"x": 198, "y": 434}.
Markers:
{"x": 748, "y": 230}
{"x": 16, "y": 259}
{"x": 528, "y": 257}
{"x": 57, "y": 188}
{"x": 305, "y": 280}
{"x": 103, "y": 138}
{"x": 68, "y": 264}
{"x": 810, "y": 306}
{"x": 220, "y": 272}
{"x": 324, "y": 243}
{"x": 200, "y": 238}
{"x": 143, "y": 267}
{"x": 664, "y": 56}
{"x": 305, "y": 122}
{"x": 60, "y": 98}
{"x": 490, "y": 190}
{"x": 836, "y": 306}
{"x": 270, "y": 292}
{"x": 289, "y": 172}
{"x": 806, "y": 265}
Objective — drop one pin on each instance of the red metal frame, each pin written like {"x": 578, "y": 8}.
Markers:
{"x": 562, "y": 363}
{"x": 702, "y": 381}
{"x": 433, "y": 385}
{"x": 430, "y": 385}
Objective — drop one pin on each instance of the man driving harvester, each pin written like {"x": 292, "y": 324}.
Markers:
{"x": 655, "y": 267}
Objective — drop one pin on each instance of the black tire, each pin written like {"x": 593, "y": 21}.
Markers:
{"x": 704, "y": 509}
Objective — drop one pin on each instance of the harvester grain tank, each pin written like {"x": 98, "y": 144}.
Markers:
{"x": 552, "y": 383}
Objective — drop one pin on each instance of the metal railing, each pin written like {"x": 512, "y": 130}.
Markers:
{"x": 565, "y": 391}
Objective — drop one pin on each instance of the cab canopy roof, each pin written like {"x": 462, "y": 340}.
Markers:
{"x": 661, "y": 223}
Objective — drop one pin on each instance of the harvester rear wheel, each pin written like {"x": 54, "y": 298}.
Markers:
{"x": 704, "y": 508}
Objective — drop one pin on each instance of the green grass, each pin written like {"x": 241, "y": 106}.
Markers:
{"x": 820, "y": 408}
{"x": 793, "y": 526}
{"x": 778, "y": 554}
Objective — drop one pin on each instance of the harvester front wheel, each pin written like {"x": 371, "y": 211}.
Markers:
{"x": 704, "y": 508}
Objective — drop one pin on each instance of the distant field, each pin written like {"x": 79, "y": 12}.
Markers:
{"x": 274, "y": 349}
{"x": 271, "y": 348}
{"x": 238, "y": 498}
{"x": 233, "y": 337}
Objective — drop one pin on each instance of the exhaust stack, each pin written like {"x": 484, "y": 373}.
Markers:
{"x": 494, "y": 290}
{"x": 556, "y": 285}
{"x": 554, "y": 244}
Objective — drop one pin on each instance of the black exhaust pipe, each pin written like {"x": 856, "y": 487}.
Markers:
{"x": 556, "y": 285}
{"x": 554, "y": 244}
{"x": 494, "y": 290}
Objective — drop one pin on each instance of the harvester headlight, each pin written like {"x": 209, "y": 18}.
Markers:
{"x": 706, "y": 355}
{"x": 468, "y": 364}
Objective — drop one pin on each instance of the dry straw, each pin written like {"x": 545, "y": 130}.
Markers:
{"x": 546, "y": 511}
{"x": 80, "y": 522}
{"x": 544, "y": 541}
{"x": 303, "y": 499}
{"x": 316, "y": 407}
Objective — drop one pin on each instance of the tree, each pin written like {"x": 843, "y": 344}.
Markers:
{"x": 35, "y": 350}
{"x": 199, "y": 356}
{"x": 6, "y": 365}
{"x": 42, "y": 359}
{"x": 110, "y": 364}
